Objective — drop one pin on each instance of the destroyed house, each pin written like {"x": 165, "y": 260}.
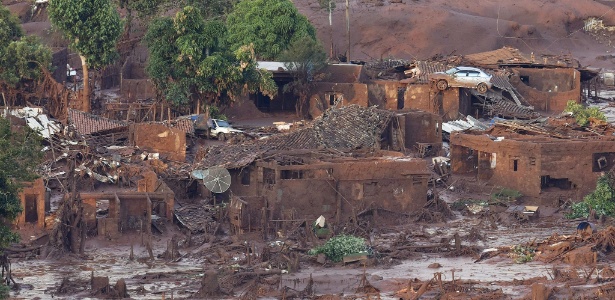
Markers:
{"x": 545, "y": 83}
{"x": 342, "y": 132}
{"x": 542, "y": 162}
{"x": 281, "y": 187}
{"x": 335, "y": 85}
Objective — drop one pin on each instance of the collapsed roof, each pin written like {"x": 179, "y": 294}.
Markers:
{"x": 348, "y": 127}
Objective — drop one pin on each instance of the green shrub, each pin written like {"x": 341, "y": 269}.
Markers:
{"x": 506, "y": 194}
{"x": 4, "y": 291}
{"x": 602, "y": 200}
{"x": 582, "y": 114}
{"x": 522, "y": 254}
{"x": 339, "y": 246}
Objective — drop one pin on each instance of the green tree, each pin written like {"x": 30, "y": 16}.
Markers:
{"x": 20, "y": 57}
{"x": 270, "y": 25}
{"x": 10, "y": 30}
{"x": 601, "y": 200}
{"x": 190, "y": 62}
{"x": 305, "y": 59}
{"x": 20, "y": 153}
{"x": 93, "y": 28}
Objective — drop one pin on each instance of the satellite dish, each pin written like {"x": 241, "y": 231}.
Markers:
{"x": 199, "y": 174}
{"x": 217, "y": 180}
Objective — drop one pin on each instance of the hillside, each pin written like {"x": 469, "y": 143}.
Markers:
{"x": 424, "y": 28}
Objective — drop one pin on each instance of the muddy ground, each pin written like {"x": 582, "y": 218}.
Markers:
{"x": 407, "y": 251}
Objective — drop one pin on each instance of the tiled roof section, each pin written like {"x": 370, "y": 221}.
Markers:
{"x": 349, "y": 127}
{"x": 495, "y": 58}
{"x": 86, "y": 123}
{"x": 427, "y": 68}
{"x": 185, "y": 125}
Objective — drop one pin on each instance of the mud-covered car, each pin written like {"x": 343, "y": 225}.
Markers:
{"x": 465, "y": 77}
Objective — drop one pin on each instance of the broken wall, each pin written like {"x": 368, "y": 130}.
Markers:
{"x": 548, "y": 90}
{"x": 347, "y": 186}
{"x": 159, "y": 138}
{"x": 542, "y": 168}
{"x": 32, "y": 198}
{"x": 386, "y": 94}
{"x": 327, "y": 94}
{"x": 421, "y": 127}
{"x": 448, "y": 104}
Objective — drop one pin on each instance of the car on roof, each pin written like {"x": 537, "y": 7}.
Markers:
{"x": 465, "y": 77}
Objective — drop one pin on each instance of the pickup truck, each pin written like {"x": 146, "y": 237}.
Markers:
{"x": 215, "y": 128}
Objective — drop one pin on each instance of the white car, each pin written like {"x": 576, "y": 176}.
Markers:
{"x": 465, "y": 77}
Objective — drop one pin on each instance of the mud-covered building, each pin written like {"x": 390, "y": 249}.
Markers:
{"x": 349, "y": 156}
{"x": 543, "y": 163}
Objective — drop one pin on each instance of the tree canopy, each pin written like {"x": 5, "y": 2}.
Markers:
{"x": 189, "y": 60}
{"x": 20, "y": 56}
{"x": 270, "y": 25}
{"x": 92, "y": 27}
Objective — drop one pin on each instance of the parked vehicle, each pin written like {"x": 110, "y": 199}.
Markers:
{"x": 215, "y": 128}
{"x": 465, "y": 77}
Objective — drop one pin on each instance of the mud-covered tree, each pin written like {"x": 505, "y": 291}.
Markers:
{"x": 191, "y": 63}
{"x": 304, "y": 59}
{"x": 270, "y": 25}
{"x": 93, "y": 28}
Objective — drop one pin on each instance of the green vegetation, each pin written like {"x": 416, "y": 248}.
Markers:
{"x": 584, "y": 115}
{"x": 601, "y": 200}
{"x": 522, "y": 254}
{"x": 20, "y": 153}
{"x": 20, "y": 56}
{"x": 190, "y": 62}
{"x": 339, "y": 246}
{"x": 269, "y": 25}
{"x": 506, "y": 194}
{"x": 93, "y": 28}
{"x": 304, "y": 58}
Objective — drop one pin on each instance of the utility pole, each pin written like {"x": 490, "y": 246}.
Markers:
{"x": 348, "y": 30}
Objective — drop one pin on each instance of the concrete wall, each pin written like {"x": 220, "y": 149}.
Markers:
{"x": 548, "y": 89}
{"x": 159, "y": 138}
{"x": 523, "y": 165}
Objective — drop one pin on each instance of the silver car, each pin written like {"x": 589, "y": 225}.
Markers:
{"x": 466, "y": 77}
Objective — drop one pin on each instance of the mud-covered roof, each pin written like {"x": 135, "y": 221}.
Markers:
{"x": 86, "y": 123}
{"x": 495, "y": 58}
{"x": 349, "y": 127}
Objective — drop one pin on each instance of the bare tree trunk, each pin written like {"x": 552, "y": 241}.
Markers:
{"x": 330, "y": 29}
{"x": 85, "y": 101}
